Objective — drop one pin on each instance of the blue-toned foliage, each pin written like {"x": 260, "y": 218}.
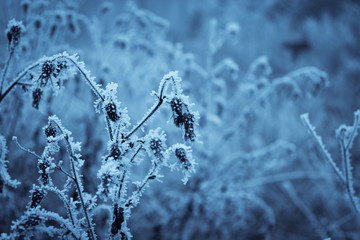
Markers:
{"x": 220, "y": 149}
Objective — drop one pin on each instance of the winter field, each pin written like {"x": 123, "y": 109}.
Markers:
{"x": 209, "y": 119}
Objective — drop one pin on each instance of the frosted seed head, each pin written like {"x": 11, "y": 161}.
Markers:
{"x": 13, "y": 32}
{"x": 36, "y": 197}
{"x": 37, "y": 93}
{"x": 176, "y": 105}
{"x": 181, "y": 155}
{"x": 189, "y": 120}
{"x": 50, "y": 131}
{"x": 47, "y": 69}
{"x": 111, "y": 112}
{"x": 115, "y": 151}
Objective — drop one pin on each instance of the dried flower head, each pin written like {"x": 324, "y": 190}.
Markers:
{"x": 37, "y": 196}
{"x": 111, "y": 112}
{"x": 184, "y": 155}
{"x": 155, "y": 144}
{"x": 115, "y": 151}
{"x": 189, "y": 120}
{"x": 37, "y": 93}
{"x": 183, "y": 116}
{"x": 176, "y": 106}
{"x": 13, "y": 32}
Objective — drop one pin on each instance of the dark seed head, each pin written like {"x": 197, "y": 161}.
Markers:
{"x": 111, "y": 112}
{"x": 37, "y": 197}
{"x": 156, "y": 147}
{"x": 181, "y": 155}
{"x": 13, "y": 35}
{"x": 176, "y": 106}
{"x": 115, "y": 151}
{"x": 44, "y": 175}
{"x": 37, "y": 93}
{"x": 50, "y": 131}
{"x": 189, "y": 127}
{"x": 47, "y": 69}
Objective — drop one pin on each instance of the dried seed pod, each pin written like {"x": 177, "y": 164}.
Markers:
{"x": 37, "y": 93}
{"x": 180, "y": 153}
{"x": 157, "y": 147}
{"x": 111, "y": 112}
{"x": 176, "y": 106}
{"x": 36, "y": 197}
{"x": 50, "y": 131}
{"x": 13, "y": 33}
{"x": 189, "y": 127}
{"x": 115, "y": 151}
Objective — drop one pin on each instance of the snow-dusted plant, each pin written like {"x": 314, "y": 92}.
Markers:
{"x": 346, "y": 136}
{"x": 125, "y": 150}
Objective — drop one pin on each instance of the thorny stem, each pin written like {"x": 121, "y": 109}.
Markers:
{"x": 92, "y": 235}
{"x": 76, "y": 181}
{"x": 326, "y": 155}
{"x": 23, "y": 73}
{"x": 348, "y": 175}
{"x": 51, "y": 188}
{"x": 24, "y": 149}
{"x": 155, "y": 108}
{"x": 129, "y": 202}
{"x": 64, "y": 172}
{"x": 17, "y": 79}
{"x": 63, "y": 199}
{"x": 124, "y": 173}
{"x": 94, "y": 88}
{"x": 354, "y": 131}
{"x": 6, "y": 68}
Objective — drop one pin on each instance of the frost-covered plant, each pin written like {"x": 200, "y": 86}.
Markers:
{"x": 4, "y": 175}
{"x": 124, "y": 148}
{"x": 346, "y": 136}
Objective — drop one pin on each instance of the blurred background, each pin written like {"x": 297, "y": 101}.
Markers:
{"x": 251, "y": 68}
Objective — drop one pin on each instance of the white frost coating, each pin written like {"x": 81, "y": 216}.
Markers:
{"x": 175, "y": 83}
{"x": 4, "y": 175}
{"x": 305, "y": 119}
{"x": 187, "y": 166}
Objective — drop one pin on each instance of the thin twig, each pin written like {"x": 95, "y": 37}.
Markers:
{"x": 76, "y": 181}
{"x": 6, "y": 68}
{"x": 155, "y": 108}
{"x": 348, "y": 176}
{"x": 325, "y": 153}
{"x": 24, "y": 149}
{"x": 109, "y": 128}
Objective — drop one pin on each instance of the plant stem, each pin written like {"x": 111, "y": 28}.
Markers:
{"x": 77, "y": 181}
{"x": 6, "y": 68}
{"x": 23, "y": 73}
{"x": 348, "y": 176}
{"x": 17, "y": 79}
{"x": 155, "y": 108}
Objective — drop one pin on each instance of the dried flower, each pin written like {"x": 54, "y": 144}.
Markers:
{"x": 13, "y": 32}
{"x": 47, "y": 69}
{"x": 44, "y": 167}
{"x": 111, "y": 112}
{"x": 181, "y": 155}
{"x": 50, "y": 131}
{"x": 36, "y": 197}
{"x": 37, "y": 93}
{"x": 115, "y": 151}
{"x": 184, "y": 155}
{"x": 176, "y": 106}
{"x": 189, "y": 120}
